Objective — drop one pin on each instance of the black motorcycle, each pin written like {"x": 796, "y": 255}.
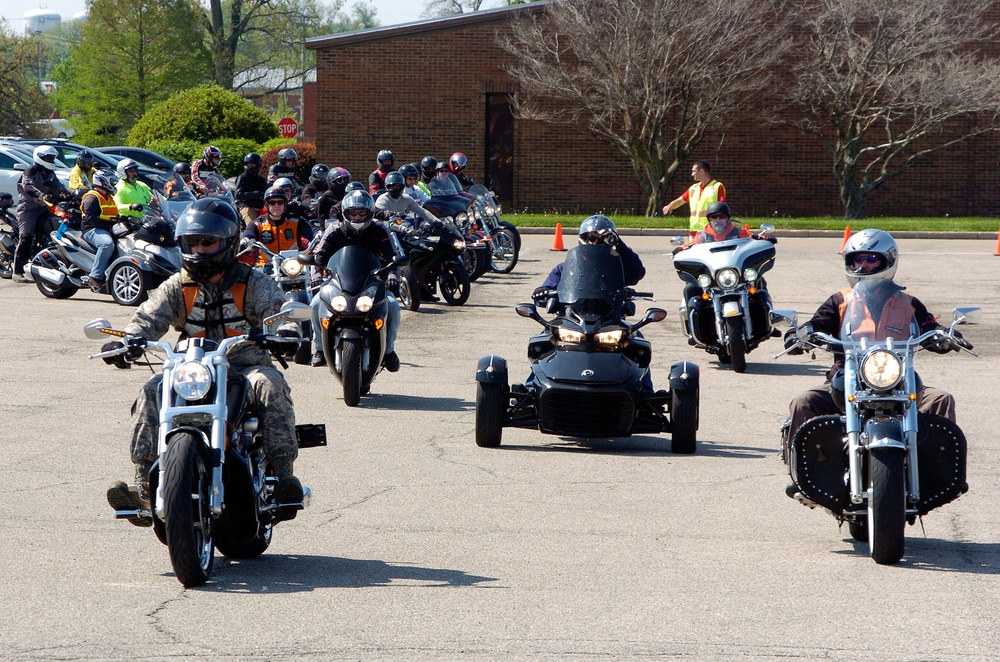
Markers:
{"x": 435, "y": 250}
{"x": 588, "y": 366}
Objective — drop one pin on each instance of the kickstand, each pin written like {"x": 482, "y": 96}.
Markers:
{"x": 922, "y": 529}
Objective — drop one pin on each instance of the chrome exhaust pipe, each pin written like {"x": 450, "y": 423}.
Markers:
{"x": 37, "y": 273}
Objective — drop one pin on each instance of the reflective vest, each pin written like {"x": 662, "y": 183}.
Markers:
{"x": 699, "y": 200}
{"x": 109, "y": 209}
{"x": 276, "y": 237}
{"x": 228, "y": 311}
{"x": 708, "y": 235}
{"x": 894, "y": 320}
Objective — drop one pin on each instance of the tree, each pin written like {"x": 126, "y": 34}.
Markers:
{"x": 23, "y": 102}
{"x": 440, "y": 8}
{"x": 883, "y": 83}
{"x": 128, "y": 59}
{"x": 204, "y": 114}
{"x": 651, "y": 77}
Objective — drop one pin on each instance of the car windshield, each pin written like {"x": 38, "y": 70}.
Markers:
{"x": 878, "y": 310}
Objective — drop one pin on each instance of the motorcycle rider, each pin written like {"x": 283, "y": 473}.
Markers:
{"x": 399, "y": 203}
{"x": 275, "y": 229}
{"x": 213, "y": 296}
{"x": 415, "y": 189}
{"x": 174, "y": 188}
{"x": 357, "y": 228}
{"x": 99, "y": 215}
{"x": 444, "y": 183}
{"x": 376, "y": 180}
{"x": 207, "y": 165}
{"x": 250, "y": 188}
{"x": 869, "y": 255}
{"x": 36, "y": 183}
{"x": 131, "y": 195}
{"x": 81, "y": 177}
{"x": 288, "y": 159}
{"x": 457, "y": 164}
{"x": 428, "y": 168}
{"x": 317, "y": 186}
{"x": 337, "y": 180}
{"x": 294, "y": 208}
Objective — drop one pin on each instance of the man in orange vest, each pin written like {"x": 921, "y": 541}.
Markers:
{"x": 702, "y": 193}
{"x": 100, "y": 211}
{"x": 275, "y": 229}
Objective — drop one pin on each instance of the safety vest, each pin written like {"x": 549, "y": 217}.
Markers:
{"x": 228, "y": 311}
{"x": 276, "y": 237}
{"x": 894, "y": 320}
{"x": 109, "y": 209}
{"x": 699, "y": 200}
{"x": 708, "y": 235}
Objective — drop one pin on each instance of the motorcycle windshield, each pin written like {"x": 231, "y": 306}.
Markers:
{"x": 351, "y": 266}
{"x": 217, "y": 187}
{"x": 877, "y": 311}
{"x": 592, "y": 278}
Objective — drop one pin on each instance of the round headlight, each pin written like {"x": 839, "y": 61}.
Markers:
{"x": 192, "y": 380}
{"x": 727, "y": 278}
{"x": 291, "y": 267}
{"x": 339, "y": 303}
{"x": 459, "y": 244}
{"x": 704, "y": 281}
{"x": 462, "y": 217}
{"x": 490, "y": 211}
{"x": 750, "y": 274}
{"x": 365, "y": 303}
{"x": 881, "y": 369}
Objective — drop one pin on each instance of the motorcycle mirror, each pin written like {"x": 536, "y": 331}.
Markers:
{"x": 401, "y": 260}
{"x": 307, "y": 258}
{"x": 530, "y": 311}
{"x": 789, "y": 317}
{"x": 766, "y": 227}
{"x": 655, "y": 315}
{"x": 677, "y": 240}
{"x": 969, "y": 315}
{"x": 92, "y": 329}
{"x": 296, "y": 311}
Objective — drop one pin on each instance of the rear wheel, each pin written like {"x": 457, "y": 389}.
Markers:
{"x": 187, "y": 481}
{"x": 64, "y": 291}
{"x": 887, "y": 505}
{"x": 491, "y": 405}
{"x": 683, "y": 421}
{"x": 129, "y": 284}
{"x": 250, "y": 549}
{"x": 350, "y": 364}
{"x": 859, "y": 528}
{"x": 409, "y": 289}
{"x": 455, "y": 284}
{"x": 737, "y": 344}
{"x": 505, "y": 251}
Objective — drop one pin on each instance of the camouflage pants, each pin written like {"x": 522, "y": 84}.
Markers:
{"x": 272, "y": 401}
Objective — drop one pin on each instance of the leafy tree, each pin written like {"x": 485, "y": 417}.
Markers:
{"x": 128, "y": 59}
{"x": 23, "y": 102}
{"x": 204, "y": 114}
{"x": 650, "y": 77}
{"x": 884, "y": 83}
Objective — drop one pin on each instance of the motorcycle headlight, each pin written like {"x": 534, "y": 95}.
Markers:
{"x": 704, "y": 281}
{"x": 291, "y": 267}
{"x": 339, "y": 303}
{"x": 609, "y": 337}
{"x": 727, "y": 278}
{"x": 569, "y": 335}
{"x": 881, "y": 369}
{"x": 462, "y": 217}
{"x": 750, "y": 274}
{"x": 192, "y": 380}
{"x": 460, "y": 244}
{"x": 365, "y": 303}
{"x": 478, "y": 215}
{"x": 490, "y": 211}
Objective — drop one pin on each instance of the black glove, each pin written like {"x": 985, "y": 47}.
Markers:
{"x": 765, "y": 237}
{"x": 392, "y": 282}
{"x": 962, "y": 342}
{"x": 677, "y": 249}
{"x": 937, "y": 345}
{"x": 119, "y": 360}
{"x": 612, "y": 239}
{"x": 792, "y": 342}
{"x": 135, "y": 206}
{"x": 539, "y": 294}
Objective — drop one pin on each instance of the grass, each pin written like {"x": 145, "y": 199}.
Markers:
{"x": 889, "y": 223}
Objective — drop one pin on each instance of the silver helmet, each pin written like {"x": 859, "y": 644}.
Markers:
{"x": 874, "y": 242}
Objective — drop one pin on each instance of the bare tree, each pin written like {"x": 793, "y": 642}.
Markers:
{"x": 886, "y": 82}
{"x": 649, "y": 76}
{"x": 439, "y": 8}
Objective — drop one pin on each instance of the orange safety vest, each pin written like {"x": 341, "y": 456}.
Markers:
{"x": 276, "y": 238}
{"x": 232, "y": 304}
{"x": 699, "y": 201}
{"x": 894, "y": 321}
{"x": 109, "y": 209}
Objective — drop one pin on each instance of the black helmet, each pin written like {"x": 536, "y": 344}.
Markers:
{"x": 408, "y": 170}
{"x": 275, "y": 192}
{"x": 318, "y": 174}
{"x": 182, "y": 168}
{"x": 428, "y": 164}
{"x": 338, "y": 175}
{"x": 394, "y": 184}
{"x": 354, "y": 186}
{"x": 252, "y": 161}
{"x": 287, "y": 153}
{"x": 718, "y": 208}
{"x": 597, "y": 228}
{"x": 354, "y": 201}
{"x": 85, "y": 159}
{"x": 205, "y": 220}
{"x": 385, "y": 159}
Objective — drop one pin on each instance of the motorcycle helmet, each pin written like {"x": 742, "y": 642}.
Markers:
{"x": 354, "y": 186}
{"x": 428, "y": 164}
{"x": 85, "y": 159}
{"x": 288, "y": 154}
{"x": 252, "y": 161}
{"x": 866, "y": 244}
{"x": 45, "y": 156}
{"x": 212, "y": 156}
{"x": 394, "y": 184}
{"x": 106, "y": 180}
{"x": 338, "y": 175}
{"x": 124, "y": 166}
{"x": 408, "y": 170}
{"x": 442, "y": 166}
{"x": 385, "y": 159}
{"x": 318, "y": 174}
{"x": 596, "y": 229}
{"x": 275, "y": 192}
{"x": 204, "y": 221}
{"x": 718, "y": 208}
{"x": 285, "y": 183}
{"x": 354, "y": 203}
{"x": 183, "y": 168}
{"x": 458, "y": 161}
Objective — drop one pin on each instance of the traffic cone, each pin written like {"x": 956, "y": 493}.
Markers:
{"x": 997, "y": 251}
{"x": 847, "y": 235}
{"x": 557, "y": 243}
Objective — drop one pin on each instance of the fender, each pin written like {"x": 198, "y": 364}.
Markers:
{"x": 492, "y": 369}
{"x": 887, "y": 434}
{"x": 684, "y": 376}
{"x": 131, "y": 259}
{"x": 297, "y": 295}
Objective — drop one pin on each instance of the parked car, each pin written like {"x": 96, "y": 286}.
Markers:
{"x": 14, "y": 161}
{"x": 144, "y": 157}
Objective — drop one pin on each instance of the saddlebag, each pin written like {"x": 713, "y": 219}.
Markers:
{"x": 941, "y": 456}
{"x": 818, "y": 462}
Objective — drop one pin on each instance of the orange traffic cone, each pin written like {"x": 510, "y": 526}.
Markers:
{"x": 557, "y": 243}
{"x": 997, "y": 251}
{"x": 847, "y": 235}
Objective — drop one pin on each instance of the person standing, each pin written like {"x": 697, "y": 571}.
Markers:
{"x": 699, "y": 197}
{"x": 36, "y": 183}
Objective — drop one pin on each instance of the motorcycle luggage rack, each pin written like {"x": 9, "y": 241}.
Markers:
{"x": 311, "y": 435}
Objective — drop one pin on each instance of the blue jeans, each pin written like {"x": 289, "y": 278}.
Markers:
{"x": 391, "y": 323}
{"x": 104, "y": 243}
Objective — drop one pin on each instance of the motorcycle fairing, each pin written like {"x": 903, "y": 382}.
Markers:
{"x": 711, "y": 257}
{"x": 350, "y": 267}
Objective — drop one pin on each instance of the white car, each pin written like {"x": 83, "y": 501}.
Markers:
{"x": 13, "y": 162}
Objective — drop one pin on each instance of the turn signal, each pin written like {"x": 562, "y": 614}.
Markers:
{"x": 325, "y": 322}
{"x": 704, "y": 296}
{"x": 378, "y": 323}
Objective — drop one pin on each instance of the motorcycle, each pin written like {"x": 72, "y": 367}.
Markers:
{"x": 879, "y": 465}
{"x": 504, "y": 239}
{"x": 588, "y": 366}
{"x": 353, "y": 317}
{"x": 8, "y": 235}
{"x": 435, "y": 250}
{"x": 732, "y": 314}
{"x": 145, "y": 255}
{"x": 210, "y": 485}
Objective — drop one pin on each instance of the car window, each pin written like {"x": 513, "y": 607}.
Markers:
{"x": 7, "y": 162}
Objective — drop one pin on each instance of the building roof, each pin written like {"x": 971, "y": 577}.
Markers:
{"x": 428, "y": 25}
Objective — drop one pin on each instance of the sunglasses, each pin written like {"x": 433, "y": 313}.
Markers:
{"x": 867, "y": 259}
{"x": 718, "y": 217}
{"x": 357, "y": 214}
{"x": 592, "y": 238}
{"x": 279, "y": 201}
{"x": 204, "y": 242}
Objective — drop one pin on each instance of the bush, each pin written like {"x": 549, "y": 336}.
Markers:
{"x": 233, "y": 151}
{"x": 306, "y": 152}
{"x": 178, "y": 150}
{"x": 203, "y": 114}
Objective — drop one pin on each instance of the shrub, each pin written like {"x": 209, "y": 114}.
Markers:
{"x": 203, "y": 114}
{"x": 306, "y": 152}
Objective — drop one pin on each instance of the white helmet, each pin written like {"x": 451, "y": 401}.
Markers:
{"x": 876, "y": 242}
{"x": 45, "y": 156}
{"x": 123, "y": 165}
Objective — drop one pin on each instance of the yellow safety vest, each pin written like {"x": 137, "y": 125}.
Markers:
{"x": 699, "y": 201}
{"x": 109, "y": 209}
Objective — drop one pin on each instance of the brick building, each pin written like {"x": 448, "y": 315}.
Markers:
{"x": 439, "y": 86}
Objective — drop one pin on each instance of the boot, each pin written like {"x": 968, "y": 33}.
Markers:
{"x": 391, "y": 362}
{"x": 289, "y": 489}
{"x": 132, "y": 497}
{"x": 318, "y": 359}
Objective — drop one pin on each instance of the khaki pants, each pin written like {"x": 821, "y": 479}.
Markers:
{"x": 248, "y": 214}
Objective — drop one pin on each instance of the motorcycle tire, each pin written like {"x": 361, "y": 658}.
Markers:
{"x": 491, "y": 405}
{"x": 350, "y": 362}
{"x": 887, "y": 505}
{"x": 409, "y": 290}
{"x": 505, "y": 251}
{"x": 303, "y": 355}
{"x": 455, "y": 284}
{"x": 858, "y": 528}
{"x": 129, "y": 285}
{"x": 737, "y": 344}
{"x": 187, "y": 481}
{"x": 683, "y": 422}
{"x": 250, "y": 549}
{"x": 514, "y": 232}
{"x": 64, "y": 291}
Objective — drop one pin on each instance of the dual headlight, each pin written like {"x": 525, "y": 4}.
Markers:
{"x": 604, "y": 337}
{"x": 192, "y": 380}
{"x": 881, "y": 369}
{"x": 363, "y": 304}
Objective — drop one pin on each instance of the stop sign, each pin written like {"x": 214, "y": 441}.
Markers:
{"x": 288, "y": 127}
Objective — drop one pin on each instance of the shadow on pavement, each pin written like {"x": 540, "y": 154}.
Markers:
{"x": 639, "y": 445}
{"x": 938, "y": 554}
{"x": 418, "y": 402}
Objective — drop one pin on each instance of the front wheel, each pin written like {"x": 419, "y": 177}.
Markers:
{"x": 455, "y": 284}
{"x": 887, "y": 505}
{"x": 129, "y": 284}
{"x": 350, "y": 363}
{"x": 491, "y": 405}
{"x": 505, "y": 250}
{"x": 683, "y": 421}
{"x": 303, "y": 355}
{"x": 514, "y": 232}
{"x": 187, "y": 481}
{"x": 409, "y": 289}
{"x": 737, "y": 344}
